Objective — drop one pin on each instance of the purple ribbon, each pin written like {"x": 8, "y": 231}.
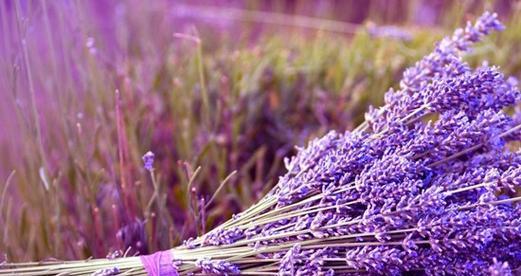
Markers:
{"x": 159, "y": 264}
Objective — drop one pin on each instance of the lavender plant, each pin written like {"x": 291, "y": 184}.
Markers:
{"x": 399, "y": 194}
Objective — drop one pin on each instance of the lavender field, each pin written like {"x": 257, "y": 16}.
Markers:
{"x": 260, "y": 137}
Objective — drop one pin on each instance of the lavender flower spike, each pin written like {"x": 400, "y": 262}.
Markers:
{"x": 148, "y": 160}
{"x": 106, "y": 272}
{"x": 217, "y": 267}
{"x": 500, "y": 269}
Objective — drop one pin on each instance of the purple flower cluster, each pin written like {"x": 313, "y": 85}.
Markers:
{"x": 297, "y": 261}
{"x": 216, "y": 267}
{"x": 148, "y": 161}
{"x": 224, "y": 236}
{"x": 500, "y": 269}
{"x": 433, "y": 83}
{"x": 106, "y": 272}
{"x": 402, "y": 194}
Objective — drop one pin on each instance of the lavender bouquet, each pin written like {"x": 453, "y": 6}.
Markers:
{"x": 426, "y": 185}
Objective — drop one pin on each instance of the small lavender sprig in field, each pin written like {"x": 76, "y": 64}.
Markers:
{"x": 148, "y": 161}
{"x": 396, "y": 195}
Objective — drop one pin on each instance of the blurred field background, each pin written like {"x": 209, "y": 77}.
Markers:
{"x": 229, "y": 87}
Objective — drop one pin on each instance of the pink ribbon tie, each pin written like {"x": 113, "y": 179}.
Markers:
{"x": 159, "y": 264}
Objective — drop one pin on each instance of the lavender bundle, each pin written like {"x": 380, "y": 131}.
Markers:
{"x": 428, "y": 184}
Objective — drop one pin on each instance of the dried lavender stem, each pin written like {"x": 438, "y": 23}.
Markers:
{"x": 301, "y": 202}
{"x": 496, "y": 202}
{"x": 473, "y": 148}
{"x": 309, "y": 210}
{"x": 257, "y": 208}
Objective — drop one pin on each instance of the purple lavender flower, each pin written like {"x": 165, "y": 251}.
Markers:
{"x": 106, "y": 272}
{"x": 499, "y": 269}
{"x": 378, "y": 260}
{"x": 434, "y": 63}
{"x": 443, "y": 63}
{"x": 115, "y": 254}
{"x": 148, "y": 160}
{"x": 291, "y": 260}
{"x": 511, "y": 179}
{"x": 224, "y": 236}
{"x": 217, "y": 267}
